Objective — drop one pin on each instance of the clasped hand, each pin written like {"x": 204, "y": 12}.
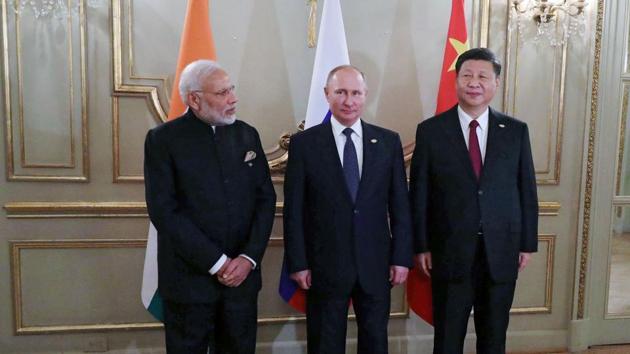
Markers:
{"x": 234, "y": 271}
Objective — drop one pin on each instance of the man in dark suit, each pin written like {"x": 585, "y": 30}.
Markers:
{"x": 210, "y": 197}
{"x": 474, "y": 208}
{"x": 344, "y": 179}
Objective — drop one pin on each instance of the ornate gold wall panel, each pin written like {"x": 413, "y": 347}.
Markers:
{"x": 622, "y": 169}
{"x": 44, "y": 210}
{"x": 57, "y": 281}
{"x": 590, "y": 152}
{"x": 32, "y": 317}
{"x": 527, "y": 81}
{"x": 549, "y": 242}
{"x": 38, "y": 210}
{"x": 137, "y": 121}
{"x": 44, "y": 121}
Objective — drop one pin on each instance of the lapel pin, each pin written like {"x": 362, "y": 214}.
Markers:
{"x": 373, "y": 141}
{"x": 501, "y": 125}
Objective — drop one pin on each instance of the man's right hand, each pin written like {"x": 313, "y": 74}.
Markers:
{"x": 303, "y": 278}
{"x": 423, "y": 262}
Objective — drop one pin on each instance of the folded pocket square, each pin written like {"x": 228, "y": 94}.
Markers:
{"x": 250, "y": 155}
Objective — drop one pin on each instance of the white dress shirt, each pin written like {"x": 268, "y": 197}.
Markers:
{"x": 340, "y": 139}
{"x": 482, "y": 129}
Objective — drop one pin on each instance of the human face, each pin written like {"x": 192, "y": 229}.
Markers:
{"x": 476, "y": 85}
{"x": 346, "y": 93}
{"x": 215, "y": 103}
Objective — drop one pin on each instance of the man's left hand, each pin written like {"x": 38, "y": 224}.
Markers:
{"x": 236, "y": 272}
{"x": 397, "y": 274}
{"x": 523, "y": 260}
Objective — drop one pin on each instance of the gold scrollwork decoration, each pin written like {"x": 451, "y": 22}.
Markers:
{"x": 588, "y": 187}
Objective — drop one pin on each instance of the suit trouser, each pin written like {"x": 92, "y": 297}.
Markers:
{"x": 327, "y": 319}
{"x": 452, "y": 304}
{"x": 227, "y": 326}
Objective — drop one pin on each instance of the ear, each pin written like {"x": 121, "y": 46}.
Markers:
{"x": 193, "y": 100}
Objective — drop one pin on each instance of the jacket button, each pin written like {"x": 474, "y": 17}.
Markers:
{"x": 356, "y": 211}
{"x": 480, "y": 192}
{"x": 226, "y": 181}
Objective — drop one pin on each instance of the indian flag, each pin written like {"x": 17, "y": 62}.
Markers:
{"x": 151, "y": 299}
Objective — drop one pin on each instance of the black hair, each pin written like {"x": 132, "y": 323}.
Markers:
{"x": 479, "y": 54}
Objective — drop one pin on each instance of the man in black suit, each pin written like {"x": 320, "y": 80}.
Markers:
{"x": 210, "y": 197}
{"x": 474, "y": 208}
{"x": 344, "y": 179}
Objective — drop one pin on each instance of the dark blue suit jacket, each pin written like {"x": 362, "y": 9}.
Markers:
{"x": 449, "y": 205}
{"x": 340, "y": 241}
{"x": 205, "y": 201}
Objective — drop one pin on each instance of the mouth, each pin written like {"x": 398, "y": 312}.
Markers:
{"x": 473, "y": 94}
{"x": 231, "y": 111}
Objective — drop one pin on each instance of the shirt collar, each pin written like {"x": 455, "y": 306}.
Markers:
{"x": 465, "y": 118}
{"x": 338, "y": 128}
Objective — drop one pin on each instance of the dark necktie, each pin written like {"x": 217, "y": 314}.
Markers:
{"x": 351, "y": 165}
{"x": 473, "y": 148}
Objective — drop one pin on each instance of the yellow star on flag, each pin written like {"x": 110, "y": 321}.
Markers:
{"x": 459, "y": 48}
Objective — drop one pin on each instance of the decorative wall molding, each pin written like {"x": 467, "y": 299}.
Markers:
{"x": 42, "y": 171}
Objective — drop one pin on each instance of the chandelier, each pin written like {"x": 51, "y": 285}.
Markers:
{"x": 556, "y": 21}
{"x": 51, "y": 8}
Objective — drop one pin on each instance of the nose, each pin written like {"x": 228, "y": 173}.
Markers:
{"x": 347, "y": 100}
{"x": 473, "y": 82}
{"x": 232, "y": 99}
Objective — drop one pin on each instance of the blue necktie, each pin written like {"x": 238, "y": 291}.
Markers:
{"x": 351, "y": 165}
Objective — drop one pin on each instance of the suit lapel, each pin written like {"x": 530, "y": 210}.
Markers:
{"x": 496, "y": 131}
{"x": 453, "y": 130}
{"x": 370, "y": 154}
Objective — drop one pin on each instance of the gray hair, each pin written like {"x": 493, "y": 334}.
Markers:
{"x": 193, "y": 75}
{"x": 343, "y": 67}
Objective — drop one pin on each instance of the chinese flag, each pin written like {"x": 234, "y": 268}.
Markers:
{"x": 456, "y": 44}
{"x": 418, "y": 284}
{"x": 196, "y": 43}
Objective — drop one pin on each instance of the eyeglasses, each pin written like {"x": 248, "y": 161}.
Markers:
{"x": 222, "y": 93}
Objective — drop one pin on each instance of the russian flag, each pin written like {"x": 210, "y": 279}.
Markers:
{"x": 331, "y": 52}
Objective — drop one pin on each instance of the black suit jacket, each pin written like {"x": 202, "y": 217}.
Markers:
{"x": 324, "y": 231}
{"x": 205, "y": 201}
{"x": 449, "y": 205}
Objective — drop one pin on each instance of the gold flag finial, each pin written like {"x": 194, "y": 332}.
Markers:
{"x": 312, "y": 18}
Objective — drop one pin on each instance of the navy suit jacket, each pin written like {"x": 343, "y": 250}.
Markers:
{"x": 205, "y": 201}
{"x": 342, "y": 242}
{"x": 449, "y": 205}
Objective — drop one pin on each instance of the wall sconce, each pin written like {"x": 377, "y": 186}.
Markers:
{"x": 60, "y": 9}
{"x": 556, "y": 21}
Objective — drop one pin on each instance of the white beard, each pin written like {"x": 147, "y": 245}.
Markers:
{"x": 214, "y": 117}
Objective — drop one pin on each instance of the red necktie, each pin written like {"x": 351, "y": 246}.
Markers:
{"x": 473, "y": 148}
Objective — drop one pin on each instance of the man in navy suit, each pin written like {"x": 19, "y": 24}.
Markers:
{"x": 346, "y": 219}
{"x": 474, "y": 207}
{"x": 210, "y": 197}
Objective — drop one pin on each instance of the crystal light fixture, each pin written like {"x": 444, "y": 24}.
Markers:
{"x": 556, "y": 21}
{"x": 51, "y": 8}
